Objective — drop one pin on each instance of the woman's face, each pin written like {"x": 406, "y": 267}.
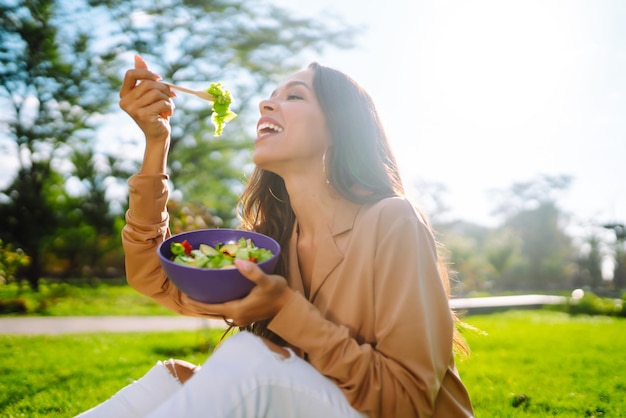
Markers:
{"x": 291, "y": 132}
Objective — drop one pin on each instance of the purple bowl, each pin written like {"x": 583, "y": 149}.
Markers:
{"x": 214, "y": 285}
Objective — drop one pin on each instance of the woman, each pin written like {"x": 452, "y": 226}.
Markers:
{"x": 360, "y": 294}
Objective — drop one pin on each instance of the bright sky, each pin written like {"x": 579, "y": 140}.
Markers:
{"x": 477, "y": 95}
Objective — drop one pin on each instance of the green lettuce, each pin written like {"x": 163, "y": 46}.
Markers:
{"x": 221, "y": 107}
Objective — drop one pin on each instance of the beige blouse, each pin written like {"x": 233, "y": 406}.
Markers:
{"x": 375, "y": 319}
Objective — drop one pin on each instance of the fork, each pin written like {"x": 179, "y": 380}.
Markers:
{"x": 198, "y": 93}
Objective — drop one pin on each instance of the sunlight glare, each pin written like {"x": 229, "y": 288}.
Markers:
{"x": 498, "y": 65}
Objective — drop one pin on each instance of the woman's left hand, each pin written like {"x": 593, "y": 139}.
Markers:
{"x": 265, "y": 300}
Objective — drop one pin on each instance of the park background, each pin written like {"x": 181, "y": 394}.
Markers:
{"x": 505, "y": 115}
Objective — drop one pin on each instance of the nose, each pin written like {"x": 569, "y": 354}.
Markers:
{"x": 266, "y": 105}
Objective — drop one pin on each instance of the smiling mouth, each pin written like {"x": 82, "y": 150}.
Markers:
{"x": 267, "y": 127}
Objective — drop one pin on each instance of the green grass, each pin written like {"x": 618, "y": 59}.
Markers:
{"x": 542, "y": 364}
{"x": 61, "y": 376}
{"x": 531, "y": 364}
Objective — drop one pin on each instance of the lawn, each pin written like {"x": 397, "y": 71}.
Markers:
{"x": 529, "y": 363}
{"x": 61, "y": 376}
{"x": 542, "y": 364}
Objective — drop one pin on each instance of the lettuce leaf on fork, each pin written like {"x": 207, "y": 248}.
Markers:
{"x": 221, "y": 107}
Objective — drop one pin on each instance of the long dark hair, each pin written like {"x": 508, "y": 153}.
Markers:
{"x": 359, "y": 164}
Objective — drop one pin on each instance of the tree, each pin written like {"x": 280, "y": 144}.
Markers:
{"x": 531, "y": 211}
{"x": 11, "y": 260}
{"x": 619, "y": 273}
{"x": 59, "y": 72}
{"x": 471, "y": 271}
{"x": 503, "y": 249}
{"x": 245, "y": 44}
{"x": 86, "y": 232}
{"x": 619, "y": 256}
{"x": 590, "y": 264}
{"x": 523, "y": 196}
{"x": 50, "y": 89}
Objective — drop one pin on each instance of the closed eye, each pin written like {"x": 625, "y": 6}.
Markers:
{"x": 296, "y": 84}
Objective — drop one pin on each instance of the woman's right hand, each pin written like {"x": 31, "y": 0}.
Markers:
{"x": 150, "y": 105}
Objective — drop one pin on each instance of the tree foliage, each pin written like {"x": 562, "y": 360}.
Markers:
{"x": 61, "y": 65}
{"x": 529, "y": 250}
{"x": 619, "y": 255}
{"x": 11, "y": 260}
{"x": 50, "y": 88}
{"x": 245, "y": 44}
{"x": 589, "y": 273}
{"x": 546, "y": 253}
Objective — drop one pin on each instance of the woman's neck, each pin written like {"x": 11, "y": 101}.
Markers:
{"x": 313, "y": 203}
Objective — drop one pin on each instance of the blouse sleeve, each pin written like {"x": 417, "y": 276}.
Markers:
{"x": 146, "y": 227}
{"x": 401, "y": 373}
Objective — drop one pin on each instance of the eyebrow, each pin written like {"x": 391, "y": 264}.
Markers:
{"x": 291, "y": 84}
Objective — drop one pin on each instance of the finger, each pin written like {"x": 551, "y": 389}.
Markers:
{"x": 169, "y": 111}
{"x": 139, "y": 73}
{"x": 148, "y": 105}
{"x": 154, "y": 88}
{"x": 140, "y": 63}
{"x": 144, "y": 95}
{"x": 232, "y": 311}
{"x": 250, "y": 270}
{"x": 216, "y": 311}
{"x": 133, "y": 76}
{"x": 160, "y": 109}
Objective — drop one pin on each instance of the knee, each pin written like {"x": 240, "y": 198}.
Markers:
{"x": 181, "y": 369}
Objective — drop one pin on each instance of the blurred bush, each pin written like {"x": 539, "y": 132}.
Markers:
{"x": 588, "y": 303}
{"x": 11, "y": 261}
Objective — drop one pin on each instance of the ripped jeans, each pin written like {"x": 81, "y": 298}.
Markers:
{"x": 242, "y": 378}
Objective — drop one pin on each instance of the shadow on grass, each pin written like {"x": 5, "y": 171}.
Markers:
{"x": 178, "y": 352}
{"x": 205, "y": 343}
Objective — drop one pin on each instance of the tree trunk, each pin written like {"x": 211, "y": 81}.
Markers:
{"x": 33, "y": 272}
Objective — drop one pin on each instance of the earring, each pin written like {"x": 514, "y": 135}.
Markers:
{"x": 324, "y": 167}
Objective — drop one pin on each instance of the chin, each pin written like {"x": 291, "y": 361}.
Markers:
{"x": 266, "y": 164}
{"x": 261, "y": 159}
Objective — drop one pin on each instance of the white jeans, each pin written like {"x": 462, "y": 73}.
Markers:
{"x": 243, "y": 378}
